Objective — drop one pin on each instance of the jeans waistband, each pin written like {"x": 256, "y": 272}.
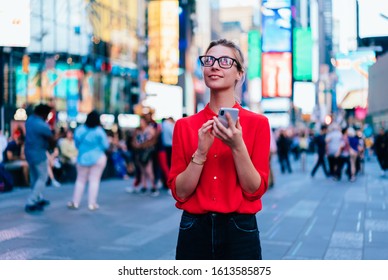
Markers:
{"x": 217, "y": 214}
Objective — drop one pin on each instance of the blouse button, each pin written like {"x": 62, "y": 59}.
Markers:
{"x": 215, "y": 177}
{"x": 215, "y": 156}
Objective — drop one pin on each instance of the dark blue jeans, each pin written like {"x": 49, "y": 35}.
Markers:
{"x": 215, "y": 236}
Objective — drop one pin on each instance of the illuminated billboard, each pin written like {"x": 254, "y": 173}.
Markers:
{"x": 108, "y": 17}
{"x": 15, "y": 23}
{"x": 128, "y": 120}
{"x": 275, "y": 104}
{"x": 276, "y": 26}
{"x": 304, "y": 96}
{"x": 278, "y": 120}
{"x": 166, "y": 100}
{"x": 254, "y": 54}
{"x": 303, "y": 54}
{"x": 114, "y": 28}
{"x": 276, "y": 75}
{"x": 163, "y": 46}
{"x": 373, "y": 18}
{"x": 72, "y": 87}
{"x": 276, "y": 4}
{"x": 352, "y": 72}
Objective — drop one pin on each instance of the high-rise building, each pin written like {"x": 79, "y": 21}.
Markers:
{"x": 81, "y": 53}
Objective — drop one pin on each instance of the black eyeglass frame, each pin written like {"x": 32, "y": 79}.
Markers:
{"x": 218, "y": 60}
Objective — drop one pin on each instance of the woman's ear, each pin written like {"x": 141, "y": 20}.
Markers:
{"x": 240, "y": 77}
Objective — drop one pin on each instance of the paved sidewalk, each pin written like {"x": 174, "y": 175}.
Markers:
{"x": 302, "y": 218}
{"x": 318, "y": 218}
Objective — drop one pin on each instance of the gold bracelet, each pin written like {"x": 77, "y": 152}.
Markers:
{"x": 196, "y": 162}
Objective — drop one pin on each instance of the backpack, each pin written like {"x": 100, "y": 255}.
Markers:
{"x": 6, "y": 180}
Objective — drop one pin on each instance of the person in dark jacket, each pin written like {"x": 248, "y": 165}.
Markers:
{"x": 284, "y": 146}
{"x": 381, "y": 150}
{"x": 320, "y": 146}
{"x": 14, "y": 157}
{"x": 39, "y": 138}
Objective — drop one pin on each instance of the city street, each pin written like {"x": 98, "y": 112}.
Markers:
{"x": 302, "y": 218}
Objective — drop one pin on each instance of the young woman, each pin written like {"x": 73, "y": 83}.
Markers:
{"x": 144, "y": 150}
{"x": 91, "y": 142}
{"x": 218, "y": 175}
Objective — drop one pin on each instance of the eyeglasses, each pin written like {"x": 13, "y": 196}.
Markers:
{"x": 224, "y": 62}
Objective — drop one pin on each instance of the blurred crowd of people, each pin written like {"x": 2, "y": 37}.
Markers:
{"x": 339, "y": 150}
{"x": 143, "y": 153}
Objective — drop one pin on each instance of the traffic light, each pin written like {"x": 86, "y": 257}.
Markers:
{"x": 26, "y": 64}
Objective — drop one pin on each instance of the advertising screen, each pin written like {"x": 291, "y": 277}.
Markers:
{"x": 163, "y": 46}
{"x": 352, "y": 72}
{"x": 128, "y": 120}
{"x": 277, "y": 76}
{"x": 373, "y": 18}
{"x": 303, "y": 54}
{"x": 304, "y": 96}
{"x": 72, "y": 88}
{"x": 15, "y": 23}
{"x": 275, "y": 104}
{"x": 166, "y": 100}
{"x": 276, "y": 4}
{"x": 254, "y": 54}
{"x": 276, "y": 22}
{"x": 278, "y": 120}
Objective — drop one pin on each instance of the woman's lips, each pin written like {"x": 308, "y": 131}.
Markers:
{"x": 214, "y": 76}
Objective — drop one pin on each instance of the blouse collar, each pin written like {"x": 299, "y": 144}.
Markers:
{"x": 210, "y": 114}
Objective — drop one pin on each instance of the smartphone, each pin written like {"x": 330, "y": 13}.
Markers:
{"x": 222, "y": 115}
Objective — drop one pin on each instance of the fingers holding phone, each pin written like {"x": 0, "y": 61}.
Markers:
{"x": 227, "y": 128}
{"x": 222, "y": 116}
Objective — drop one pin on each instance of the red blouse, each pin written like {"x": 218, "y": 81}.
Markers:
{"x": 219, "y": 189}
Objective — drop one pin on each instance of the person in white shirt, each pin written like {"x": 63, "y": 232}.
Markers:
{"x": 333, "y": 143}
{"x": 167, "y": 132}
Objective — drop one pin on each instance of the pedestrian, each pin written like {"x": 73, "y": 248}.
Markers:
{"x": 91, "y": 142}
{"x": 52, "y": 154}
{"x": 68, "y": 153}
{"x": 167, "y": 132}
{"x": 283, "y": 149}
{"x": 304, "y": 142}
{"x": 273, "y": 150}
{"x": 333, "y": 142}
{"x": 320, "y": 145}
{"x": 360, "y": 161}
{"x": 218, "y": 175}
{"x": 155, "y": 142}
{"x": 343, "y": 155}
{"x": 380, "y": 147}
{"x": 144, "y": 145}
{"x": 165, "y": 144}
{"x": 39, "y": 138}
{"x": 354, "y": 150}
{"x": 14, "y": 157}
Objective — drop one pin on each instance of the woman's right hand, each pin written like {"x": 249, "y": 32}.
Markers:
{"x": 205, "y": 138}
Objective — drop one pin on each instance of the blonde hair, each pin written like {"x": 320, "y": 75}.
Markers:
{"x": 236, "y": 50}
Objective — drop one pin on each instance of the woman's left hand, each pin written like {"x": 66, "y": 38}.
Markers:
{"x": 231, "y": 136}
